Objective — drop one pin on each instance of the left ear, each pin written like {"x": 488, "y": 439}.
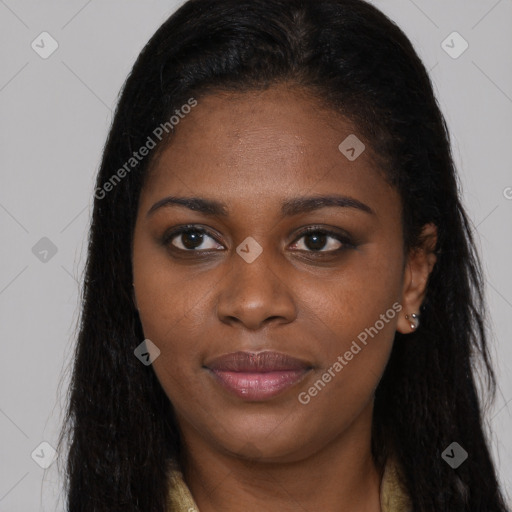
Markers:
{"x": 419, "y": 265}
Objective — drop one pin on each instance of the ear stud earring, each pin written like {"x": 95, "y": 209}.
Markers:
{"x": 414, "y": 320}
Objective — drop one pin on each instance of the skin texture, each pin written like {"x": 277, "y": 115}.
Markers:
{"x": 253, "y": 151}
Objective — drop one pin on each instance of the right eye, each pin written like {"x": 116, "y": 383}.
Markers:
{"x": 191, "y": 239}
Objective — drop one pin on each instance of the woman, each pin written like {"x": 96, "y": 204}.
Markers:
{"x": 282, "y": 305}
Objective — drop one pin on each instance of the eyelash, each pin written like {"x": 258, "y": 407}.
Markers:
{"x": 345, "y": 240}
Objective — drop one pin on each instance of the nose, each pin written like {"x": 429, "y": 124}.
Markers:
{"x": 255, "y": 294}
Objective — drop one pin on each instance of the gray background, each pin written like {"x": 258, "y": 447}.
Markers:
{"x": 55, "y": 116}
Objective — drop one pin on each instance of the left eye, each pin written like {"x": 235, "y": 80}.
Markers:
{"x": 317, "y": 240}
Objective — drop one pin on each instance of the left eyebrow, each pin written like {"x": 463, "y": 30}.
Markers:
{"x": 307, "y": 204}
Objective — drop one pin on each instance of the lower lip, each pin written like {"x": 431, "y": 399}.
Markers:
{"x": 258, "y": 386}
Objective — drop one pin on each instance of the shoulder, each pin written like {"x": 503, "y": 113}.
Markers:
{"x": 393, "y": 495}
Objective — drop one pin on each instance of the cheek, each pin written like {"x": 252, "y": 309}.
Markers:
{"x": 167, "y": 295}
{"x": 354, "y": 298}
{"x": 354, "y": 318}
{"x": 168, "y": 310}
{"x": 167, "y": 301}
{"x": 355, "y": 346}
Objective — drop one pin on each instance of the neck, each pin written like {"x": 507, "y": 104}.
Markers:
{"x": 340, "y": 477}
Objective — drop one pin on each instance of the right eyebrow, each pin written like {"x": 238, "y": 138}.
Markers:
{"x": 206, "y": 206}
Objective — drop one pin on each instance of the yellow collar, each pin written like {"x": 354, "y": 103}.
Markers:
{"x": 393, "y": 497}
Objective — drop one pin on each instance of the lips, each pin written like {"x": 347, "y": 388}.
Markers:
{"x": 257, "y": 376}
{"x": 256, "y": 362}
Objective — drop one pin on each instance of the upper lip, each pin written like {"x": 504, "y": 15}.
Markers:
{"x": 266, "y": 361}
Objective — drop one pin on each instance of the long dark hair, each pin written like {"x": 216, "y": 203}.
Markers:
{"x": 120, "y": 424}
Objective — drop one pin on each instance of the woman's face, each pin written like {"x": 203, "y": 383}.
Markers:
{"x": 262, "y": 157}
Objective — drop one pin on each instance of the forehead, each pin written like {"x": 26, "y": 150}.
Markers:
{"x": 271, "y": 143}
